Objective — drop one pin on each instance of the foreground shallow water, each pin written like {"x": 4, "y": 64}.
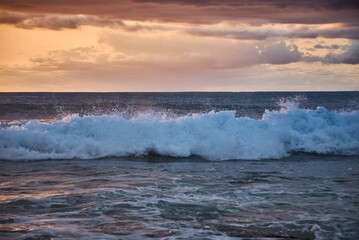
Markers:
{"x": 301, "y": 197}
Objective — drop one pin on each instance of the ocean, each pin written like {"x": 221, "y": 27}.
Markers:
{"x": 192, "y": 165}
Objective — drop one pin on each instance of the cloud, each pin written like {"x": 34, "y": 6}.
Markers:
{"x": 192, "y": 56}
{"x": 11, "y": 17}
{"x": 333, "y": 46}
{"x": 113, "y": 77}
{"x": 176, "y": 53}
{"x": 319, "y": 4}
{"x": 350, "y": 56}
{"x": 250, "y": 33}
{"x": 276, "y": 54}
{"x": 280, "y": 53}
{"x": 222, "y": 30}
{"x": 54, "y": 21}
{"x": 194, "y": 11}
{"x": 264, "y": 32}
{"x": 79, "y": 56}
{"x": 62, "y": 21}
{"x": 348, "y": 32}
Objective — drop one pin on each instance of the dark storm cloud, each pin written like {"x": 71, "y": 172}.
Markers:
{"x": 61, "y": 21}
{"x": 321, "y": 4}
{"x": 191, "y": 11}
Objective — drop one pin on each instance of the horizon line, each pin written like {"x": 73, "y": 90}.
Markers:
{"x": 275, "y": 91}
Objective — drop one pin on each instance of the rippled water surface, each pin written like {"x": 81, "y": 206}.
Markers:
{"x": 301, "y": 197}
{"x": 137, "y": 165}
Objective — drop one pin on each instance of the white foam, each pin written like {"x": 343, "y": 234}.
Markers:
{"x": 213, "y": 136}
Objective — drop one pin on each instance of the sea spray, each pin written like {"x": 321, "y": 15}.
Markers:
{"x": 212, "y": 136}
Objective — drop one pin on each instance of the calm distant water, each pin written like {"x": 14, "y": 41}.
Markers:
{"x": 179, "y": 165}
{"x": 27, "y": 106}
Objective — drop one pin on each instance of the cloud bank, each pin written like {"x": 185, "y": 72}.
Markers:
{"x": 195, "y": 44}
{"x": 203, "y": 11}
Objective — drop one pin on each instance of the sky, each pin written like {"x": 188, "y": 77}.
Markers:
{"x": 178, "y": 45}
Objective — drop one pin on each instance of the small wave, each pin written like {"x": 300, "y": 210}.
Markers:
{"x": 213, "y": 136}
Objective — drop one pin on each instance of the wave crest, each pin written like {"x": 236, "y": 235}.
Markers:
{"x": 213, "y": 136}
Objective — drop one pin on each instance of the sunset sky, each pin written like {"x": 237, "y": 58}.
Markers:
{"x": 173, "y": 45}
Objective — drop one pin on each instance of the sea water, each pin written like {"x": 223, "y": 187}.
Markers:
{"x": 179, "y": 165}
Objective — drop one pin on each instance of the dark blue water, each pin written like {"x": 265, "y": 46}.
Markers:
{"x": 179, "y": 165}
{"x": 27, "y": 106}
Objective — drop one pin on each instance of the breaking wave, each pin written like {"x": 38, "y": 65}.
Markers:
{"x": 213, "y": 136}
